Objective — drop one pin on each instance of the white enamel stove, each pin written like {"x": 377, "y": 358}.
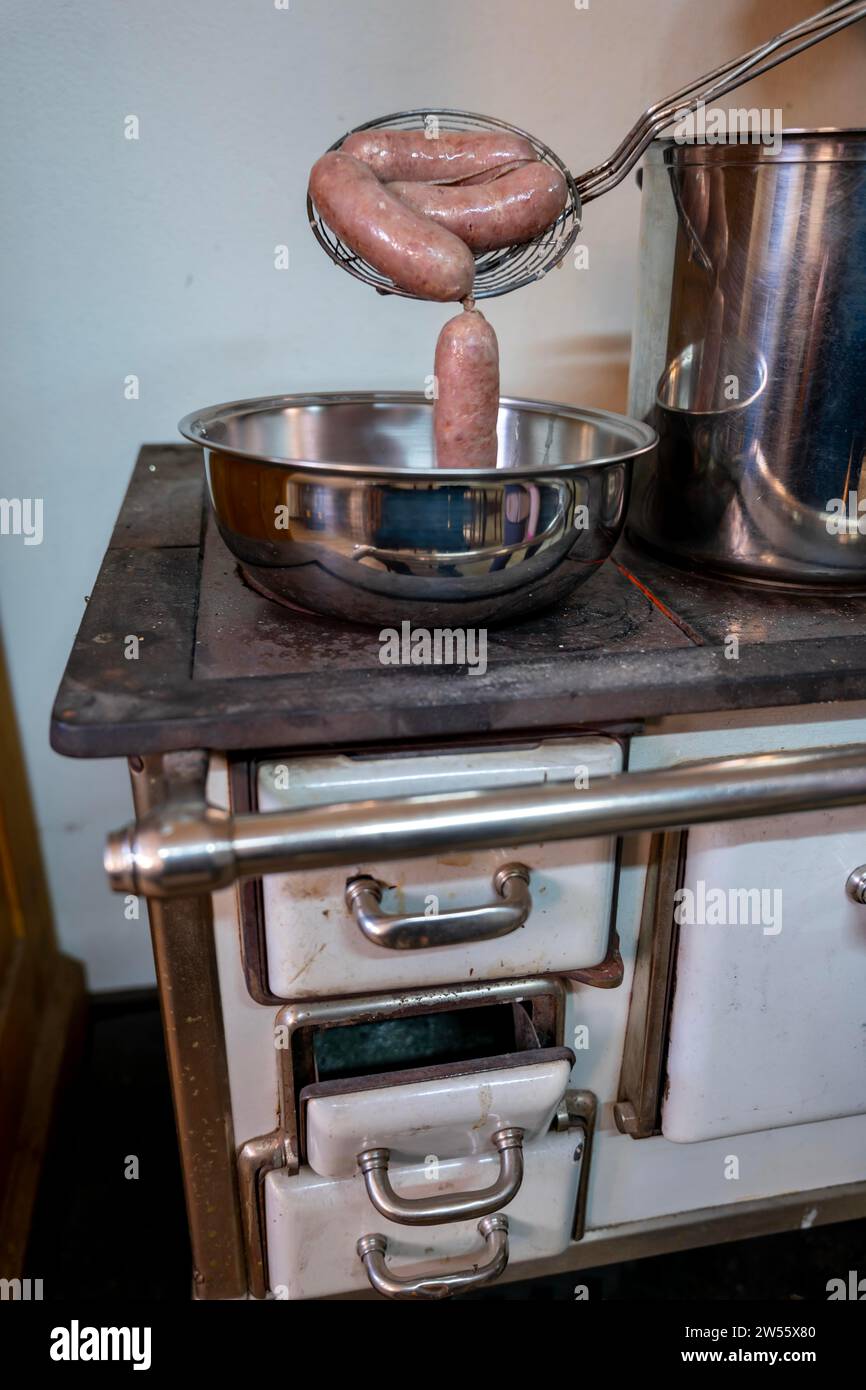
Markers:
{"x": 491, "y": 1062}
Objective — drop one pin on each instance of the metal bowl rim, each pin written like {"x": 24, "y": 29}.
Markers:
{"x": 644, "y": 437}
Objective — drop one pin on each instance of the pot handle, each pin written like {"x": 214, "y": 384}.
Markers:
{"x": 462, "y": 927}
{"x": 372, "y": 1250}
{"x": 707, "y": 89}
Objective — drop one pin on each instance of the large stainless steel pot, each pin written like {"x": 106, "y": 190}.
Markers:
{"x": 332, "y": 502}
{"x": 750, "y": 357}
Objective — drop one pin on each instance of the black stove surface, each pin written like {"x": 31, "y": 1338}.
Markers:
{"x": 221, "y": 666}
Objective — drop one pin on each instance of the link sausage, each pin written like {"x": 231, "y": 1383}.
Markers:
{"x": 466, "y": 406}
{"x": 512, "y": 210}
{"x": 420, "y": 256}
{"x": 491, "y": 175}
{"x": 449, "y": 157}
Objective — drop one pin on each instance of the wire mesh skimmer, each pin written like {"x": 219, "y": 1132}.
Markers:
{"x": 498, "y": 272}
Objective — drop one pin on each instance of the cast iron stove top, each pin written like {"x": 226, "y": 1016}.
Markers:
{"x": 221, "y": 666}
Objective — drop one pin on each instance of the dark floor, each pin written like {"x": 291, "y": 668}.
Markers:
{"x": 100, "y": 1234}
{"x": 96, "y": 1232}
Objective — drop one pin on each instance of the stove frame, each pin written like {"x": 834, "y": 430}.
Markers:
{"x": 221, "y": 668}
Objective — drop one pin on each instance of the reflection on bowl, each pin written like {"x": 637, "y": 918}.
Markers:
{"x": 333, "y": 502}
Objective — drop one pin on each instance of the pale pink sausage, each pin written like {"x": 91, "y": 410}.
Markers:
{"x": 512, "y": 210}
{"x": 495, "y": 173}
{"x": 465, "y": 409}
{"x": 420, "y": 256}
{"x": 450, "y": 157}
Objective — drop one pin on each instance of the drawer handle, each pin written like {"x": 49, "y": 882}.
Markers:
{"x": 458, "y": 1206}
{"x": 461, "y": 927}
{"x": 856, "y": 885}
{"x": 372, "y": 1250}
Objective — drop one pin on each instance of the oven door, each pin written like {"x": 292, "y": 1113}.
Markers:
{"x": 768, "y": 1025}
{"x": 482, "y": 914}
{"x": 747, "y": 1012}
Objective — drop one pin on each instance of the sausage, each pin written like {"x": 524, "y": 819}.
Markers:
{"x": 450, "y": 157}
{"x": 420, "y": 256}
{"x": 490, "y": 176}
{"x": 466, "y": 405}
{"x": 513, "y": 209}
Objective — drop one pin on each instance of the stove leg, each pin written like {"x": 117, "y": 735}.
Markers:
{"x": 183, "y": 949}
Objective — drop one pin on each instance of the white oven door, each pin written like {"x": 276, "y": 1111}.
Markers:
{"x": 768, "y": 1024}
{"x": 315, "y": 941}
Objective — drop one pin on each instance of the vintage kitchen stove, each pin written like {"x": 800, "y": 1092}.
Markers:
{"x": 431, "y": 1016}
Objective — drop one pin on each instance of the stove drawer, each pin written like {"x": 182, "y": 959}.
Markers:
{"x": 488, "y": 914}
{"x": 441, "y": 1071}
{"x": 454, "y": 1111}
{"x": 441, "y": 1110}
{"x": 314, "y": 1223}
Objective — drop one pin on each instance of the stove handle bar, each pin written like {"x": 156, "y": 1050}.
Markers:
{"x": 186, "y": 846}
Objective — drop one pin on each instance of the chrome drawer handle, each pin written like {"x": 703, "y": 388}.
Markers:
{"x": 461, "y": 927}
{"x": 458, "y": 1206}
{"x": 856, "y": 885}
{"x": 372, "y": 1250}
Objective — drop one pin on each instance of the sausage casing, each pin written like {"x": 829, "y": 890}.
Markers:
{"x": 507, "y": 212}
{"x": 449, "y": 157}
{"x": 419, "y": 255}
{"x": 466, "y": 406}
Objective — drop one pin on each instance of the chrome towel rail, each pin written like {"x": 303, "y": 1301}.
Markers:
{"x": 186, "y": 846}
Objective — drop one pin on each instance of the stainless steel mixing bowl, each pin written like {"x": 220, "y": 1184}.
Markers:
{"x": 331, "y": 502}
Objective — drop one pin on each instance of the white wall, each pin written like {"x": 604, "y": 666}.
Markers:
{"x": 155, "y": 257}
